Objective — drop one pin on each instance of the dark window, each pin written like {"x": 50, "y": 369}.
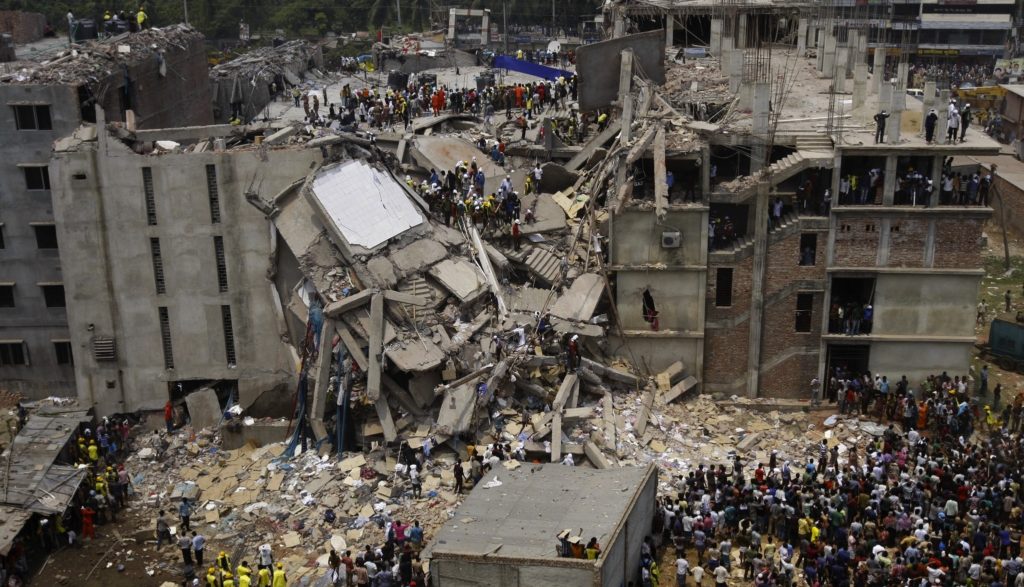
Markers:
{"x": 37, "y": 177}
{"x": 13, "y": 353}
{"x": 147, "y": 188}
{"x": 723, "y": 287}
{"x": 54, "y": 296}
{"x": 222, "y": 266}
{"x": 808, "y": 248}
{"x": 6, "y": 296}
{"x": 2, "y": 245}
{"x": 158, "y": 265}
{"x": 165, "y": 335}
{"x": 46, "y": 236}
{"x": 229, "y": 334}
{"x": 804, "y": 311}
{"x": 62, "y": 349}
{"x": 214, "y": 193}
{"x": 33, "y": 117}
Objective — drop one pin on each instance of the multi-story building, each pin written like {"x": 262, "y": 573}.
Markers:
{"x": 148, "y": 78}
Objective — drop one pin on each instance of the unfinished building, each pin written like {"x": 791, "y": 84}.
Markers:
{"x": 146, "y": 78}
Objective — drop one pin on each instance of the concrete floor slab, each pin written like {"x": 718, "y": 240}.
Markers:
{"x": 418, "y": 256}
{"x": 580, "y": 300}
{"x": 460, "y": 277}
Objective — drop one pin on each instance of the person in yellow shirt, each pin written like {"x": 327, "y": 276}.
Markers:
{"x": 142, "y": 19}
{"x": 280, "y": 580}
{"x": 224, "y": 562}
{"x": 263, "y": 578}
{"x": 243, "y": 569}
{"x": 244, "y": 581}
{"x": 211, "y": 577}
{"x": 94, "y": 452}
{"x": 228, "y": 580}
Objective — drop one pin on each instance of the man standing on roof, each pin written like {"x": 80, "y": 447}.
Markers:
{"x": 141, "y": 18}
{"x": 880, "y": 119}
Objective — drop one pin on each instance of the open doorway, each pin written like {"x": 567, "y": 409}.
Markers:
{"x": 225, "y": 390}
{"x": 850, "y": 309}
{"x": 844, "y": 361}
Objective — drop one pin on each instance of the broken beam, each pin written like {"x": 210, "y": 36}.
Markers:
{"x": 660, "y": 181}
{"x": 556, "y": 438}
{"x": 353, "y": 347}
{"x": 352, "y": 302}
{"x": 376, "y": 346}
{"x": 464, "y": 379}
{"x": 404, "y": 298}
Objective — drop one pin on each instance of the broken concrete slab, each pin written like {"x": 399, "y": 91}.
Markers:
{"x": 461, "y": 278}
{"x": 556, "y": 178}
{"x": 418, "y": 256}
{"x": 382, "y": 272}
{"x": 580, "y": 300}
{"x": 415, "y": 354}
{"x": 352, "y": 302}
{"x": 457, "y": 409}
{"x": 670, "y": 376}
{"x": 439, "y": 152}
{"x": 611, "y": 373}
{"x": 281, "y": 135}
{"x": 374, "y": 353}
{"x": 548, "y": 215}
{"x": 594, "y": 454}
{"x": 203, "y": 408}
{"x": 679, "y": 389}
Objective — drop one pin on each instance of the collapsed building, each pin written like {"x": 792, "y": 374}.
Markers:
{"x": 245, "y": 85}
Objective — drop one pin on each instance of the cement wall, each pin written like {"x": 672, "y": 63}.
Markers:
{"x": 21, "y": 260}
{"x": 638, "y": 526}
{"x": 677, "y": 297}
{"x": 917, "y": 360}
{"x": 658, "y": 352}
{"x": 110, "y": 274}
{"x": 24, "y": 27}
{"x": 643, "y": 245}
{"x": 925, "y": 304}
{"x": 460, "y": 573}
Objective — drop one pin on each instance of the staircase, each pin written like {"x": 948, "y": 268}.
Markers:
{"x": 744, "y": 245}
{"x": 544, "y": 265}
{"x": 814, "y": 142}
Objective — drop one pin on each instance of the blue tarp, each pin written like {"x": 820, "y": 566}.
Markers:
{"x": 534, "y": 69}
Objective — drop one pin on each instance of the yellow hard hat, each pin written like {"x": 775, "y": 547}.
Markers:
{"x": 280, "y": 565}
{"x": 227, "y": 575}
{"x": 211, "y": 570}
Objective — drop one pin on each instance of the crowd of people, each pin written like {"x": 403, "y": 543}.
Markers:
{"x": 934, "y": 500}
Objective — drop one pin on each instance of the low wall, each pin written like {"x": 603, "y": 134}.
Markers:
{"x": 25, "y": 27}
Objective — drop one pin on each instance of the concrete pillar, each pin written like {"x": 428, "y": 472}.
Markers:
{"x": 889, "y": 187}
{"x": 879, "y": 70}
{"x": 705, "y": 172}
{"x": 670, "y": 30}
{"x": 741, "y": 31}
{"x": 451, "y": 24}
{"x": 735, "y": 71}
{"x": 819, "y": 45}
{"x": 851, "y": 51}
{"x": 885, "y": 96}
{"x": 801, "y": 37}
{"x": 862, "y": 47}
{"x": 842, "y": 57}
{"x": 929, "y": 96}
{"x": 762, "y": 94}
{"x": 884, "y": 238}
{"x": 936, "y": 177}
{"x": 716, "y": 37}
{"x": 756, "y": 321}
{"x": 860, "y": 84}
{"x": 892, "y": 126}
{"x": 828, "y": 62}
{"x": 620, "y": 24}
{"x": 942, "y": 109}
{"x": 485, "y": 29}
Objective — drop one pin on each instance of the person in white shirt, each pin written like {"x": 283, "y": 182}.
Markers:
{"x": 682, "y": 568}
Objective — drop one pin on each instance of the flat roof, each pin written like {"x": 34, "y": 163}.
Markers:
{"x": 365, "y": 205}
{"x": 523, "y": 516}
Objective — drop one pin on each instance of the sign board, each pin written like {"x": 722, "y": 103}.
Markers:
{"x": 597, "y": 66}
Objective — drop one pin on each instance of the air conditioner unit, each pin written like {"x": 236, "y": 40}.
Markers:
{"x": 671, "y": 240}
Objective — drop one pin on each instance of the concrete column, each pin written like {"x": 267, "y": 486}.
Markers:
{"x": 879, "y": 71}
{"x": 929, "y": 244}
{"x": 828, "y": 62}
{"x": 756, "y": 322}
{"x": 842, "y": 57}
{"x": 851, "y": 50}
{"x": 862, "y": 47}
{"x": 716, "y": 37}
{"x": 892, "y": 126}
{"x": 819, "y": 45}
{"x": 884, "y": 238}
{"x": 451, "y": 24}
{"x": 761, "y": 96}
{"x": 927, "y": 103}
{"x": 801, "y": 37}
{"x": 735, "y": 71}
{"x": 936, "y": 178}
{"x": 485, "y": 29}
{"x": 741, "y": 31}
{"x": 860, "y": 84}
{"x": 670, "y": 30}
{"x": 884, "y": 96}
{"x": 620, "y": 24}
{"x": 705, "y": 173}
{"x": 889, "y": 187}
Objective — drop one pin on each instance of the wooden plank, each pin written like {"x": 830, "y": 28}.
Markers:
{"x": 556, "y": 438}
{"x": 376, "y": 346}
{"x": 404, "y": 298}
{"x": 352, "y": 346}
{"x": 335, "y": 309}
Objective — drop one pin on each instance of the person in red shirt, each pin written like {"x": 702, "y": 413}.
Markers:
{"x": 169, "y": 416}
{"x": 88, "y": 530}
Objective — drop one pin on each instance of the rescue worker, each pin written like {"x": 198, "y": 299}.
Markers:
{"x": 280, "y": 580}
{"x": 224, "y": 562}
{"x": 211, "y": 578}
{"x": 228, "y": 580}
{"x": 263, "y": 577}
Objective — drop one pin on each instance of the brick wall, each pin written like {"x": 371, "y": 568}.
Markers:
{"x": 784, "y": 262}
{"x": 790, "y": 379}
{"x": 25, "y": 27}
{"x": 907, "y": 240}
{"x": 856, "y": 242}
{"x": 725, "y": 349}
{"x": 957, "y": 243}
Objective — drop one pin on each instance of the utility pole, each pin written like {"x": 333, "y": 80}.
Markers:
{"x": 398, "y": 5}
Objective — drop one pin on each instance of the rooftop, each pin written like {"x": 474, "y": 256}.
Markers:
{"x": 523, "y": 516}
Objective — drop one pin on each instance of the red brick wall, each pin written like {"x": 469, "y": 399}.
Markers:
{"x": 25, "y": 27}
{"x": 957, "y": 243}
{"x": 907, "y": 240}
{"x": 855, "y": 245}
{"x": 725, "y": 349}
{"x": 790, "y": 379}
{"x": 784, "y": 262}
